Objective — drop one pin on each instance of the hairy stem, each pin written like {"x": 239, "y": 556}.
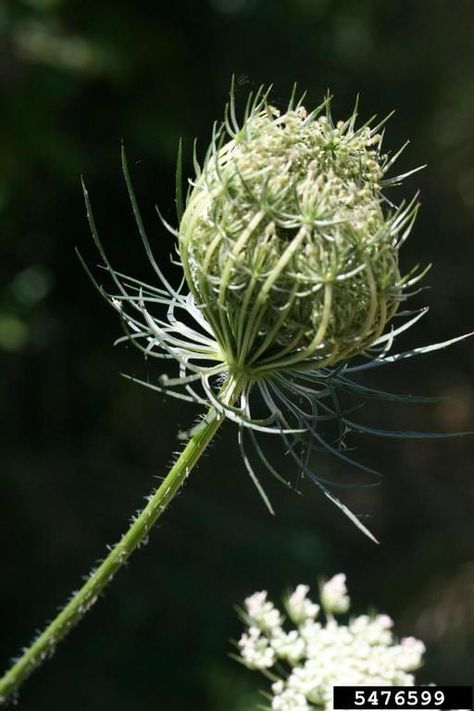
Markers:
{"x": 82, "y": 600}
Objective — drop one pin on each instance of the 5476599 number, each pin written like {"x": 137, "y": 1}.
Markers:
{"x": 403, "y": 697}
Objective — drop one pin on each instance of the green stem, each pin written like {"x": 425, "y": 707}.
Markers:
{"x": 81, "y": 601}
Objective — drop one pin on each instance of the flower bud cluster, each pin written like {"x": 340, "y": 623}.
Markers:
{"x": 285, "y": 243}
{"x": 323, "y": 653}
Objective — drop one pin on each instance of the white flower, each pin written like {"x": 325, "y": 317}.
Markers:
{"x": 324, "y": 654}
{"x": 412, "y": 650}
{"x": 334, "y": 598}
{"x": 290, "y": 700}
{"x": 262, "y": 612}
{"x": 255, "y": 650}
{"x": 299, "y": 607}
{"x": 288, "y": 645}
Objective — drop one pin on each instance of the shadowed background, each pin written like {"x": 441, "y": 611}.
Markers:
{"x": 81, "y": 447}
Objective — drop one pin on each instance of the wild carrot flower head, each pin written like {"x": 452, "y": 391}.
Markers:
{"x": 290, "y": 254}
{"x": 309, "y": 651}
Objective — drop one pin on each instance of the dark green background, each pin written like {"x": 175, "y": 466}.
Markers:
{"x": 81, "y": 447}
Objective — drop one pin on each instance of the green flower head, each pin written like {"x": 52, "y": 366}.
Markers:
{"x": 290, "y": 255}
{"x": 287, "y": 245}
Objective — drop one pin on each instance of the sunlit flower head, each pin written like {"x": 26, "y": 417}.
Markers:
{"x": 306, "y": 661}
{"x": 290, "y": 255}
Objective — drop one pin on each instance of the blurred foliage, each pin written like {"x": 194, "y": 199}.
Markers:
{"x": 81, "y": 447}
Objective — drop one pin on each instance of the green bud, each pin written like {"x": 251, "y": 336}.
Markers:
{"x": 286, "y": 242}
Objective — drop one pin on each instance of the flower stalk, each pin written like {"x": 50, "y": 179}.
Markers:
{"x": 81, "y": 601}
